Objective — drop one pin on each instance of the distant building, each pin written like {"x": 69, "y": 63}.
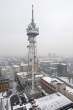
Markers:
{"x": 45, "y": 63}
{"x": 23, "y": 67}
{"x": 28, "y": 68}
{"x": 61, "y": 69}
{"x": 4, "y": 84}
{"x": 7, "y": 72}
{"x": 16, "y": 68}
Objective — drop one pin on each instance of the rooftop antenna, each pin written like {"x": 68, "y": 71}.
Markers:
{"x": 32, "y": 13}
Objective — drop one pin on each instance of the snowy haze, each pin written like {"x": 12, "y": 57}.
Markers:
{"x": 55, "y": 20}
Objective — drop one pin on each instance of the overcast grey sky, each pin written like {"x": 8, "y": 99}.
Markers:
{"x": 55, "y": 20}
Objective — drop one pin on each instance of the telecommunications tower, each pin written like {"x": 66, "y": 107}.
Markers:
{"x": 32, "y": 32}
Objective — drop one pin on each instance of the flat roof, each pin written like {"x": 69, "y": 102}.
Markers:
{"x": 52, "y": 80}
{"x": 24, "y": 64}
{"x": 22, "y": 73}
{"x": 28, "y": 106}
{"x": 52, "y": 102}
{"x": 16, "y": 66}
{"x": 66, "y": 79}
{"x": 45, "y": 61}
{"x": 69, "y": 89}
{"x": 39, "y": 76}
{"x": 59, "y": 63}
{"x": 51, "y": 68}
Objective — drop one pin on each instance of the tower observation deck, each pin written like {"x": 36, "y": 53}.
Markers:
{"x": 32, "y": 33}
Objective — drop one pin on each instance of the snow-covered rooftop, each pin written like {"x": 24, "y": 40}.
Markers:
{"x": 24, "y": 64}
{"x": 52, "y": 102}
{"x": 16, "y": 66}
{"x": 63, "y": 64}
{"x": 22, "y": 74}
{"x": 45, "y": 61}
{"x": 39, "y": 76}
{"x": 47, "y": 79}
{"x": 51, "y": 68}
{"x": 67, "y": 80}
{"x": 28, "y": 106}
{"x": 69, "y": 89}
{"x": 52, "y": 80}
